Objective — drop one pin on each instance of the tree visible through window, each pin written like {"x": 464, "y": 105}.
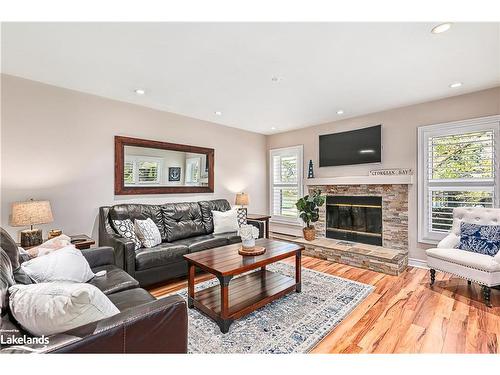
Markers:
{"x": 459, "y": 171}
{"x": 286, "y": 178}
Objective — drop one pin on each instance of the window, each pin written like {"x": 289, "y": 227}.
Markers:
{"x": 142, "y": 170}
{"x": 286, "y": 182}
{"x": 192, "y": 170}
{"x": 458, "y": 167}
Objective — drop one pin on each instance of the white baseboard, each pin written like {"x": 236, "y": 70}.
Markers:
{"x": 288, "y": 229}
{"x": 418, "y": 263}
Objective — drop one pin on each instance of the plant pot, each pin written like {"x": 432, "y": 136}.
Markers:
{"x": 309, "y": 233}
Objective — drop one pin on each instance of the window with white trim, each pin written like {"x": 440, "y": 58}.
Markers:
{"x": 458, "y": 167}
{"x": 142, "y": 170}
{"x": 286, "y": 182}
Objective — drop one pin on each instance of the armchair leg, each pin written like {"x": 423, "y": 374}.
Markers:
{"x": 487, "y": 295}
{"x": 433, "y": 276}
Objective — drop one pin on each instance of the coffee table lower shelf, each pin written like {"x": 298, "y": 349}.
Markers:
{"x": 245, "y": 294}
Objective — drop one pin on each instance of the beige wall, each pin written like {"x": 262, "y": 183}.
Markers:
{"x": 57, "y": 144}
{"x": 399, "y": 135}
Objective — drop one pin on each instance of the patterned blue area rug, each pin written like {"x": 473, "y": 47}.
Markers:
{"x": 293, "y": 324}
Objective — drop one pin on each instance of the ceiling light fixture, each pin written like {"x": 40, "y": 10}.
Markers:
{"x": 454, "y": 85}
{"x": 273, "y": 127}
{"x": 140, "y": 91}
{"x": 340, "y": 112}
{"x": 218, "y": 113}
{"x": 441, "y": 28}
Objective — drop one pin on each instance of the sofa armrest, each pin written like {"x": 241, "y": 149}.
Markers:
{"x": 159, "y": 326}
{"x": 259, "y": 225}
{"x": 451, "y": 241}
{"x": 99, "y": 256}
{"x": 124, "y": 251}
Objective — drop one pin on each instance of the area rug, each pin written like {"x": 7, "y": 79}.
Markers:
{"x": 293, "y": 324}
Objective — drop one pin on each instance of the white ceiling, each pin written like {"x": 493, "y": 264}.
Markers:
{"x": 196, "y": 69}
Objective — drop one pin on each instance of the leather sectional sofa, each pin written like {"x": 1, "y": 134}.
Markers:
{"x": 184, "y": 227}
{"x": 144, "y": 324}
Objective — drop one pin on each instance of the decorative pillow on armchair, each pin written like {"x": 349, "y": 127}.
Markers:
{"x": 482, "y": 239}
{"x": 66, "y": 264}
{"x": 49, "y": 308}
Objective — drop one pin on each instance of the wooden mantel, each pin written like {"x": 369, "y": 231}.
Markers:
{"x": 360, "y": 180}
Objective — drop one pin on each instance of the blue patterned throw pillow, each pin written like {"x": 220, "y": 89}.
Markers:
{"x": 482, "y": 239}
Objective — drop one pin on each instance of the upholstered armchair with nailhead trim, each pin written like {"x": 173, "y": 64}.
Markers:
{"x": 474, "y": 267}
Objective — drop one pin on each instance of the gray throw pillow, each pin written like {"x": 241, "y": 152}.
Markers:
{"x": 126, "y": 229}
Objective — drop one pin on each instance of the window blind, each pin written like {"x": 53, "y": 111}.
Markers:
{"x": 148, "y": 172}
{"x": 459, "y": 168}
{"x": 286, "y": 181}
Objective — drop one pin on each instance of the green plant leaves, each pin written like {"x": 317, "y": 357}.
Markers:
{"x": 308, "y": 207}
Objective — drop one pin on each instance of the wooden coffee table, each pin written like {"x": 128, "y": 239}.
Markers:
{"x": 225, "y": 303}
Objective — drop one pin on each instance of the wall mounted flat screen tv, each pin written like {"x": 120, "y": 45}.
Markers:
{"x": 352, "y": 147}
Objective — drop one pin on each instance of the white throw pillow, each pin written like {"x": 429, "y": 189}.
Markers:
{"x": 147, "y": 232}
{"x": 49, "y": 308}
{"x": 125, "y": 228}
{"x": 226, "y": 221}
{"x": 66, "y": 264}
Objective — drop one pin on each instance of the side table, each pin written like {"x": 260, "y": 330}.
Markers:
{"x": 81, "y": 241}
{"x": 263, "y": 218}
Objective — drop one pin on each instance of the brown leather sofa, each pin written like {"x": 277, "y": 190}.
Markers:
{"x": 185, "y": 228}
{"x": 144, "y": 324}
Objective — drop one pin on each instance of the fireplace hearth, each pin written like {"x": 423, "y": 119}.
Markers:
{"x": 354, "y": 218}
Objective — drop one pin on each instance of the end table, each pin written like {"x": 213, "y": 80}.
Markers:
{"x": 263, "y": 218}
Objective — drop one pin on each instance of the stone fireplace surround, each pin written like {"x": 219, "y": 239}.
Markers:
{"x": 392, "y": 256}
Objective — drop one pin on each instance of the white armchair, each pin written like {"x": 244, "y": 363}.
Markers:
{"x": 480, "y": 268}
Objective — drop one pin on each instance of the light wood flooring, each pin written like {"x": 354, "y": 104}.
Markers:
{"x": 404, "y": 314}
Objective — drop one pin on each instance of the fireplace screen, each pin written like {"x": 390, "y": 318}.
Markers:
{"x": 352, "y": 218}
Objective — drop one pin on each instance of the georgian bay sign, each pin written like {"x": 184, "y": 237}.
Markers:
{"x": 392, "y": 172}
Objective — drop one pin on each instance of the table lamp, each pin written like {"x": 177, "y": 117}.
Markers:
{"x": 242, "y": 199}
{"x": 31, "y": 213}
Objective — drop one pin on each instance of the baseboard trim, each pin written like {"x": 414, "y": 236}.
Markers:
{"x": 418, "y": 263}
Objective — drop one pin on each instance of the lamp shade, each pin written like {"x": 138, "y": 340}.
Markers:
{"x": 31, "y": 213}
{"x": 242, "y": 199}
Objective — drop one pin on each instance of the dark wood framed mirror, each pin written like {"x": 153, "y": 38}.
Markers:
{"x": 152, "y": 167}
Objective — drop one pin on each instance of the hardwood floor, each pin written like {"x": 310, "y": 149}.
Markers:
{"x": 404, "y": 314}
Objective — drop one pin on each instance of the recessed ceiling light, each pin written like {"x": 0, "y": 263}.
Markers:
{"x": 218, "y": 113}
{"x": 441, "y": 28}
{"x": 340, "y": 112}
{"x": 273, "y": 127}
{"x": 140, "y": 91}
{"x": 454, "y": 85}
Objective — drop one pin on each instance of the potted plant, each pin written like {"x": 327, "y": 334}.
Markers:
{"x": 308, "y": 208}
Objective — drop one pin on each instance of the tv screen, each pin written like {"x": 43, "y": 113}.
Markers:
{"x": 352, "y": 147}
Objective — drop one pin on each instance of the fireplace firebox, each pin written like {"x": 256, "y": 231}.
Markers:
{"x": 354, "y": 218}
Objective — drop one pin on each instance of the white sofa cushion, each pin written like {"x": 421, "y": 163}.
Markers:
{"x": 465, "y": 258}
{"x": 66, "y": 264}
{"x": 50, "y": 308}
